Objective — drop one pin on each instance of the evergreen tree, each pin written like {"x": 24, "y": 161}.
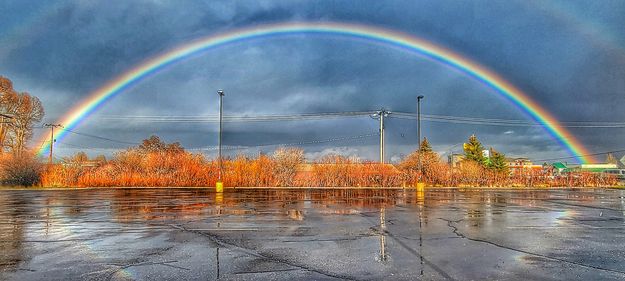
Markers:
{"x": 498, "y": 162}
{"x": 473, "y": 150}
{"x": 425, "y": 146}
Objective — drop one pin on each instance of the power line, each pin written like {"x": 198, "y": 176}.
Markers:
{"x": 100, "y": 137}
{"x": 237, "y": 118}
{"x": 571, "y": 157}
{"x": 300, "y": 143}
{"x": 505, "y": 122}
{"x": 335, "y": 139}
{"x": 334, "y": 115}
{"x": 73, "y": 146}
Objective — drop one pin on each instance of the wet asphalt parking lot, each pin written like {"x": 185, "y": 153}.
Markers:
{"x": 195, "y": 234}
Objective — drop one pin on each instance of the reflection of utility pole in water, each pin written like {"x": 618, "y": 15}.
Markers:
{"x": 383, "y": 255}
{"x": 47, "y": 216}
{"x": 219, "y": 199}
{"x": 623, "y": 201}
{"x": 421, "y": 203}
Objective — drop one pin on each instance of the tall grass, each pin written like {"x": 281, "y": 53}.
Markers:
{"x": 286, "y": 168}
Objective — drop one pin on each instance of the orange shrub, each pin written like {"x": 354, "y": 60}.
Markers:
{"x": 161, "y": 165}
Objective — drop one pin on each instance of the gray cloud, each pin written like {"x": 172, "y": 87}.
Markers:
{"x": 71, "y": 48}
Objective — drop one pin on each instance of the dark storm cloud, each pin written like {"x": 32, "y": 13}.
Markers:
{"x": 568, "y": 56}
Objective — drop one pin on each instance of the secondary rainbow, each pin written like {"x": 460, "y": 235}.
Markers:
{"x": 364, "y": 32}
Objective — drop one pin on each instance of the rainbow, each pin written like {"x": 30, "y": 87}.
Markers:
{"x": 378, "y": 35}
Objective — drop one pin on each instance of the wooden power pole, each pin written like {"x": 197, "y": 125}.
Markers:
{"x": 52, "y": 140}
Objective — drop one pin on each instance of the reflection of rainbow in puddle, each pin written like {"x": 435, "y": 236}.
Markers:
{"x": 561, "y": 217}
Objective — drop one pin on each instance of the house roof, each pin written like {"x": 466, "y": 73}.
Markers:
{"x": 559, "y": 165}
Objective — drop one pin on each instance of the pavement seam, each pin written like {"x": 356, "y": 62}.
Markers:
{"x": 457, "y": 232}
{"x": 259, "y": 255}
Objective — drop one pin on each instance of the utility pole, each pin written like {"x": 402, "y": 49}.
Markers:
{"x": 382, "y": 136}
{"x": 221, "y": 109}
{"x": 52, "y": 140}
{"x": 380, "y": 115}
{"x": 419, "y": 98}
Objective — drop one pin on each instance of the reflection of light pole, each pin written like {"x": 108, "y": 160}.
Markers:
{"x": 221, "y": 109}
{"x": 419, "y": 131}
{"x": 383, "y": 253}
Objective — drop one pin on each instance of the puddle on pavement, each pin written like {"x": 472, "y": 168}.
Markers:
{"x": 377, "y": 231}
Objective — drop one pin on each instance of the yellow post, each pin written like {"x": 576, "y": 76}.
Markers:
{"x": 420, "y": 193}
{"x": 219, "y": 187}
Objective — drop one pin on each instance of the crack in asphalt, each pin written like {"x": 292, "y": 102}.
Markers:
{"x": 142, "y": 261}
{"x": 27, "y": 269}
{"x": 126, "y": 266}
{"x": 254, "y": 253}
{"x": 450, "y": 224}
{"x": 266, "y": 271}
{"x": 327, "y": 240}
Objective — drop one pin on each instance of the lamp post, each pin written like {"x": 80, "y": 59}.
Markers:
{"x": 419, "y": 98}
{"x": 221, "y": 108}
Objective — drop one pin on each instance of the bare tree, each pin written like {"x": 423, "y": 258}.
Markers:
{"x": 8, "y": 105}
{"x": 155, "y": 144}
{"x": 286, "y": 161}
{"x": 25, "y": 110}
{"x": 28, "y": 112}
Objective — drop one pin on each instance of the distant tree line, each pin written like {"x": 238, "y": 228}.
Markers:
{"x": 160, "y": 164}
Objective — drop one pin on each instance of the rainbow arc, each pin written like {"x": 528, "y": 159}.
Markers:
{"x": 367, "y": 33}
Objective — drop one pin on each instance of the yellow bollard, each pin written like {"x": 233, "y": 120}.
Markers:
{"x": 219, "y": 187}
{"x": 420, "y": 193}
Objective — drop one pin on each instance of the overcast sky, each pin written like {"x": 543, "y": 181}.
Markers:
{"x": 569, "y": 56}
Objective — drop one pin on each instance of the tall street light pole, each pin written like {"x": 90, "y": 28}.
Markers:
{"x": 382, "y": 113}
{"x": 419, "y": 98}
{"x": 221, "y": 109}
